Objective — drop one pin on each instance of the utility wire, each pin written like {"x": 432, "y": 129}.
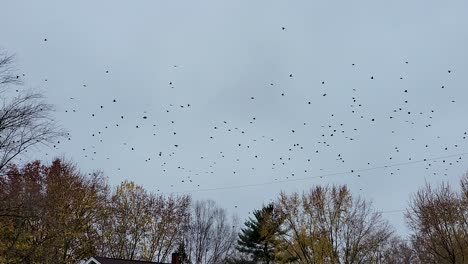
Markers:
{"x": 321, "y": 176}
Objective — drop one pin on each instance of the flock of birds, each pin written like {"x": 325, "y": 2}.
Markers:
{"x": 245, "y": 149}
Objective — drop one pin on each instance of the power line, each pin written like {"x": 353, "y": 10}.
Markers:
{"x": 321, "y": 176}
{"x": 392, "y": 211}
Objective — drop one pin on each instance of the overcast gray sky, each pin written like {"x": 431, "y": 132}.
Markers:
{"x": 213, "y": 57}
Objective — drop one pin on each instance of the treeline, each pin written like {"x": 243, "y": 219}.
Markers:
{"x": 53, "y": 213}
{"x": 56, "y": 214}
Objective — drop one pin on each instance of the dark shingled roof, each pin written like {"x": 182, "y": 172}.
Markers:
{"x": 103, "y": 260}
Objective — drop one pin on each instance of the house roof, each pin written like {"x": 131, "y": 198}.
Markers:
{"x": 102, "y": 260}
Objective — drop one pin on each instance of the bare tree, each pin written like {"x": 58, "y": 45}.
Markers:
{"x": 328, "y": 225}
{"x": 438, "y": 218}
{"x": 25, "y": 119}
{"x": 210, "y": 237}
{"x": 398, "y": 251}
{"x": 7, "y": 72}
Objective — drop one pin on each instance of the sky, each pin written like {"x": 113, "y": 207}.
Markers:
{"x": 237, "y": 101}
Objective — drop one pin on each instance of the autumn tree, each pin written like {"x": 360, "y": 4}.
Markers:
{"x": 169, "y": 216}
{"x": 141, "y": 225}
{"x": 210, "y": 236}
{"x": 259, "y": 237}
{"x": 127, "y": 222}
{"x": 21, "y": 208}
{"x": 25, "y": 118}
{"x": 438, "y": 219}
{"x": 328, "y": 225}
{"x": 49, "y": 213}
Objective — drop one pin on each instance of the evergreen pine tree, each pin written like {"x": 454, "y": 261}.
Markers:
{"x": 259, "y": 236}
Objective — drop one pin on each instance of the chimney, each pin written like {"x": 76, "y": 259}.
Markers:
{"x": 176, "y": 258}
